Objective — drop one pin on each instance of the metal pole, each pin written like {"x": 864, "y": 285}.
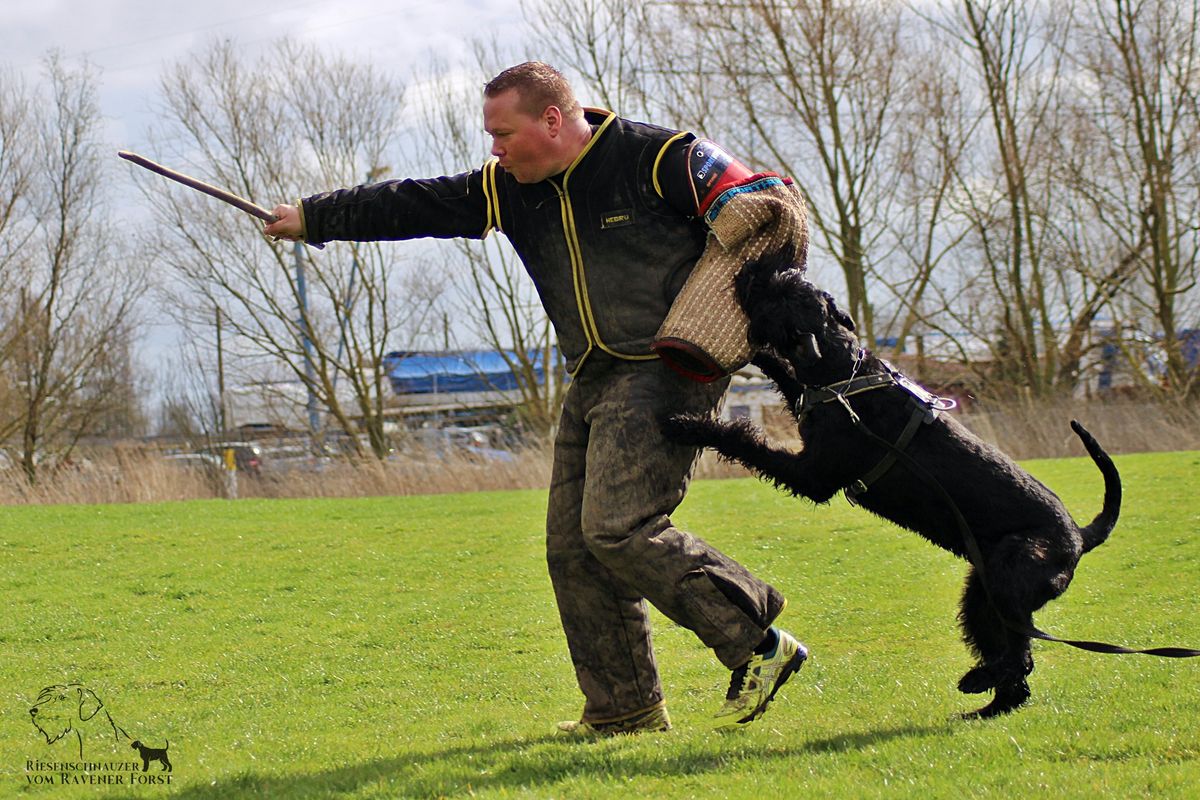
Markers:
{"x": 223, "y": 420}
{"x": 229, "y": 462}
{"x": 314, "y": 418}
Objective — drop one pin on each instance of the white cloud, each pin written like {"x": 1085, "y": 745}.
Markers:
{"x": 131, "y": 41}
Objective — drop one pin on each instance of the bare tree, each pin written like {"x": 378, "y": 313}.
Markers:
{"x": 604, "y": 43}
{"x": 1017, "y": 53}
{"x": 72, "y": 313}
{"x": 17, "y": 224}
{"x": 17, "y": 168}
{"x": 925, "y": 227}
{"x": 1136, "y": 168}
{"x": 811, "y": 89}
{"x": 326, "y": 318}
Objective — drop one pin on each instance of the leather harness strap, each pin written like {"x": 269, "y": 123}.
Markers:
{"x": 921, "y": 414}
{"x": 813, "y": 396}
{"x": 924, "y": 406}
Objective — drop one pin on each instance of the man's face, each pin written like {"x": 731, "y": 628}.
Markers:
{"x": 524, "y": 144}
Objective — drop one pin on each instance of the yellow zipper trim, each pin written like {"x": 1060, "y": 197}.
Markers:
{"x": 658, "y": 160}
{"x": 495, "y": 198}
{"x": 491, "y": 198}
{"x": 578, "y": 277}
{"x": 488, "y": 168}
{"x": 564, "y": 207}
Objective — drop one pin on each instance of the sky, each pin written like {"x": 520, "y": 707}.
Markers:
{"x": 130, "y": 42}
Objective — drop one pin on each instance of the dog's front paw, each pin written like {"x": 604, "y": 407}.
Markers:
{"x": 689, "y": 429}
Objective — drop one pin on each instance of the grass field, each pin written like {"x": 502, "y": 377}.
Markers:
{"x": 409, "y": 647}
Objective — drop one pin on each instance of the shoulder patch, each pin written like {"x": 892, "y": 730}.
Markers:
{"x": 712, "y": 170}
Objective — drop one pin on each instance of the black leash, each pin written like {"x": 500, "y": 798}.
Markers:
{"x": 976, "y": 558}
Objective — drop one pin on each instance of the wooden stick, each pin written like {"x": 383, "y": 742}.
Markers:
{"x": 200, "y": 186}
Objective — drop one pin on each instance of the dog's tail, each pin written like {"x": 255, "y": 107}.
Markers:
{"x": 1095, "y": 533}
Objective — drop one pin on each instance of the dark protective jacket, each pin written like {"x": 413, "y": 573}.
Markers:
{"x": 608, "y": 243}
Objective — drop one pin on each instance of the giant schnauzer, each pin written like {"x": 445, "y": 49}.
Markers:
{"x": 868, "y": 430}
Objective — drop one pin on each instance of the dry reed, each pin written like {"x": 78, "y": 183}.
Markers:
{"x": 137, "y": 474}
{"x": 132, "y": 475}
{"x": 1039, "y": 429}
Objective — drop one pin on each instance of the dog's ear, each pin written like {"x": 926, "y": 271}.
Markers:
{"x": 839, "y": 316}
{"x": 89, "y": 704}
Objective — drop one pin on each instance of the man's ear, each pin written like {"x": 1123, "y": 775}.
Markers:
{"x": 552, "y": 118}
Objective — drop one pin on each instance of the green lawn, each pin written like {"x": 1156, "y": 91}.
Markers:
{"x": 410, "y": 647}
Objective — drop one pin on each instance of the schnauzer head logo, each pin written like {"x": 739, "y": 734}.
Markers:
{"x": 73, "y": 711}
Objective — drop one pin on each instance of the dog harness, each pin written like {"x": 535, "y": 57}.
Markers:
{"x": 926, "y": 406}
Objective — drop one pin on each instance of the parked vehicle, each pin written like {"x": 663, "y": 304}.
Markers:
{"x": 282, "y": 459}
{"x": 207, "y": 463}
{"x": 248, "y": 456}
{"x": 473, "y": 442}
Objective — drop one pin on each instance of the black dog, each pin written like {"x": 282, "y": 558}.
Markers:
{"x": 1026, "y": 544}
{"x": 153, "y": 754}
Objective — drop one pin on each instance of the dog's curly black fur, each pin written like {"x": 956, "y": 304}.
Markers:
{"x": 1028, "y": 541}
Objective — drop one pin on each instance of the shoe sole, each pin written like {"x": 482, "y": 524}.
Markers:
{"x": 595, "y": 735}
{"x": 793, "y": 666}
{"x": 653, "y": 722}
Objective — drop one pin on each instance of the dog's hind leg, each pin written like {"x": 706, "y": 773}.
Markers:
{"x": 983, "y": 632}
{"x": 1005, "y": 658}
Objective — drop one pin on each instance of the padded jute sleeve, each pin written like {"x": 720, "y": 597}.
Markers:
{"x": 704, "y": 335}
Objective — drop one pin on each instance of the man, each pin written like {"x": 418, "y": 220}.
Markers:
{"x": 606, "y": 216}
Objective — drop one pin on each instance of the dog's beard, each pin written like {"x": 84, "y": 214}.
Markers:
{"x": 51, "y": 737}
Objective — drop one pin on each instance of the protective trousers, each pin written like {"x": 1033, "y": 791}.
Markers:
{"x": 611, "y": 546}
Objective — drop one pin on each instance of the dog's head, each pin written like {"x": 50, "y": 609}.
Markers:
{"x": 59, "y": 707}
{"x": 791, "y": 316}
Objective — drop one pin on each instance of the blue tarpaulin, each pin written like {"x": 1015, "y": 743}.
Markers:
{"x": 466, "y": 371}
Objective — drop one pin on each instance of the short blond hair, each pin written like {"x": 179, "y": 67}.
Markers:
{"x": 539, "y": 86}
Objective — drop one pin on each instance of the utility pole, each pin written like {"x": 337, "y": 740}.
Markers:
{"x": 222, "y": 419}
{"x": 314, "y": 417}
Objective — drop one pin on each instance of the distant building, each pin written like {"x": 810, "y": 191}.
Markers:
{"x": 751, "y": 396}
{"x": 1114, "y": 372}
{"x": 465, "y": 384}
